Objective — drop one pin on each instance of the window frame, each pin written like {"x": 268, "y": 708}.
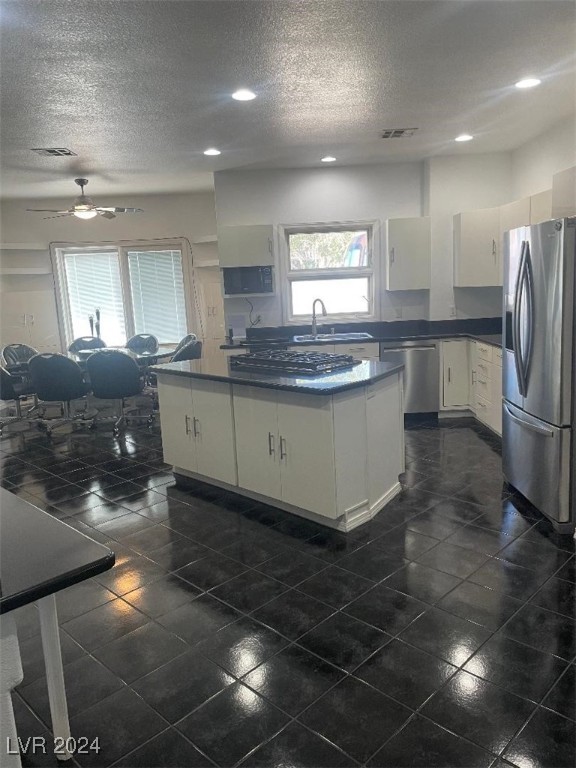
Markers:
{"x": 371, "y": 271}
{"x": 121, "y": 247}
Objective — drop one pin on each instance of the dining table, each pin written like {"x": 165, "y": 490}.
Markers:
{"x": 163, "y": 352}
{"x": 39, "y": 556}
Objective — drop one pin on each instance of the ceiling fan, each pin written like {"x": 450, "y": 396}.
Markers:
{"x": 84, "y": 207}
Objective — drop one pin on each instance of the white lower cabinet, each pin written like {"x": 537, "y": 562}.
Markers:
{"x": 455, "y": 369}
{"x": 175, "y": 400}
{"x": 486, "y": 384}
{"x": 197, "y": 417}
{"x": 337, "y": 456}
{"x": 285, "y": 447}
{"x": 257, "y": 443}
{"x": 360, "y": 351}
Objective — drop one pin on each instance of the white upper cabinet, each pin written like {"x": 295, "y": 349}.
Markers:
{"x": 245, "y": 246}
{"x": 541, "y": 207}
{"x": 564, "y": 193}
{"x": 515, "y": 214}
{"x": 408, "y": 254}
{"x": 477, "y": 260}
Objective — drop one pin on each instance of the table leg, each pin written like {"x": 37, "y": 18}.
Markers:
{"x": 54, "y": 672}
{"x": 10, "y": 676}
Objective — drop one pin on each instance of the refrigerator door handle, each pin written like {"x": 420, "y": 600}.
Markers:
{"x": 528, "y": 425}
{"x": 529, "y": 286}
{"x": 516, "y": 322}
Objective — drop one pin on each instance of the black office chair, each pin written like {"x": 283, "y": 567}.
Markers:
{"x": 58, "y": 379}
{"x": 86, "y": 342}
{"x": 185, "y": 340}
{"x": 143, "y": 342}
{"x": 190, "y": 351}
{"x": 11, "y": 391}
{"x": 17, "y": 356}
{"x": 116, "y": 376}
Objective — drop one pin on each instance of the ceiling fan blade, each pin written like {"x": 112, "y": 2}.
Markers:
{"x": 45, "y": 210}
{"x": 121, "y": 210}
{"x": 107, "y": 214}
{"x": 58, "y": 216}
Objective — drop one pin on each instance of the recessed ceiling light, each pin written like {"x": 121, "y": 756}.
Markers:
{"x": 528, "y": 82}
{"x": 328, "y": 159}
{"x": 243, "y": 95}
{"x": 212, "y": 151}
{"x": 464, "y": 137}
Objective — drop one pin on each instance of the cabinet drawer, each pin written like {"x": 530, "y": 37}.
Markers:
{"x": 484, "y": 351}
{"x": 483, "y": 408}
{"x": 484, "y": 388}
{"x": 484, "y": 369}
{"x": 359, "y": 351}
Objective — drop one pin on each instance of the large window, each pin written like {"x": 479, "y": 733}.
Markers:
{"x": 333, "y": 264}
{"x": 135, "y": 290}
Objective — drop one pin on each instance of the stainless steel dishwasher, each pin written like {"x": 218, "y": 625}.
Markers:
{"x": 421, "y": 360}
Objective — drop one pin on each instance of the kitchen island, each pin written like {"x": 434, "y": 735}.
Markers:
{"x": 327, "y": 447}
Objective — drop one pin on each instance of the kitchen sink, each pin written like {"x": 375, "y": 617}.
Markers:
{"x": 333, "y": 337}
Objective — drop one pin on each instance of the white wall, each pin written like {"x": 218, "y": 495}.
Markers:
{"x": 358, "y": 193}
{"x": 188, "y": 216}
{"x": 456, "y": 184}
{"x": 535, "y": 163}
{"x": 441, "y": 187}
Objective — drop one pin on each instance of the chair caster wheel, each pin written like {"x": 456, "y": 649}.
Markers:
{"x": 150, "y": 421}
{"x": 115, "y": 432}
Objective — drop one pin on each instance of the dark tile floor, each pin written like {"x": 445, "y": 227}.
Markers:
{"x": 229, "y": 633}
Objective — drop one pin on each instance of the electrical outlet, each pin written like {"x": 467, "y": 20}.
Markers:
{"x": 398, "y": 311}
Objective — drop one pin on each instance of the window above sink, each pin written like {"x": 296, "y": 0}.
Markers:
{"x": 332, "y": 262}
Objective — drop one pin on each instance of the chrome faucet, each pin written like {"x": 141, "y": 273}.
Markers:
{"x": 314, "y": 329}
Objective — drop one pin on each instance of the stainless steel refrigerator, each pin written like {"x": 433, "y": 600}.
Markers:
{"x": 539, "y": 368}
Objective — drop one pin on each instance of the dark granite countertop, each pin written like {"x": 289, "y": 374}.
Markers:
{"x": 494, "y": 338}
{"x": 366, "y": 372}
{"x": 487, "y": 329}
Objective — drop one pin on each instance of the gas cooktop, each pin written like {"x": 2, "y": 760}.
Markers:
{"x": 292, "y": 363}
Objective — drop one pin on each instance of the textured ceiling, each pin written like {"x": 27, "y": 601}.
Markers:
{"x": 139, "y": 89}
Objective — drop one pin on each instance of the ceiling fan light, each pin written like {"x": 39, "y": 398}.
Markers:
{"x": 86, "y": 214}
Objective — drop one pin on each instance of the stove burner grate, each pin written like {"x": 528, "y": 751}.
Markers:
{"x": 293, "y": 363}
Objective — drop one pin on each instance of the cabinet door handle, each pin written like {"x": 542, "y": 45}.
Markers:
{"x": 449, "y": 375}
{"x": 494, "y": 249}
{"x": 271, "y": 448}
{"x": 196, "y": 430}
{"x": 283, "y": 453}
{"x": 392, "y": 256}
{"x": 187, "y": 423}
{"x": 473, "y": 377}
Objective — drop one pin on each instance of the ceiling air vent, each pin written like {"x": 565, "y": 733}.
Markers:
{"x": 54, "y": 152}
{"x": 398, "y": 133}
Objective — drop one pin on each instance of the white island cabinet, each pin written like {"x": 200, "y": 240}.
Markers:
{"x": 328, "y": 448}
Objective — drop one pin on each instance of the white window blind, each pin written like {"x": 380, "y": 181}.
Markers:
{"x": 157, "y": 290}
{"x": 93, "y": 282}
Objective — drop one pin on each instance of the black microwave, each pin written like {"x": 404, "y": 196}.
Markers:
{"x": 240, "y": 280}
